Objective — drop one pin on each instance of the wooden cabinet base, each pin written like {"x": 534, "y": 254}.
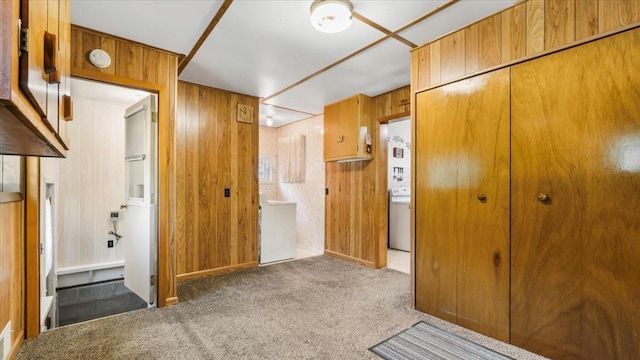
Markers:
{"x": 19, "y": 137}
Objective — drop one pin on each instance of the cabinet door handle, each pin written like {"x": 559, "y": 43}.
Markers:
{"x": 67, "y": 107}
{"x": 50, "y": 65}
{"x": 340, "y": 139}
{"x": 482, "y": 197}
{"x": 544, "y": 198}
{"x": 50, "y": 53}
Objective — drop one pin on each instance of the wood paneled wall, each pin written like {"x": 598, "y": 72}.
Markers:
{"x": 215, "y": 152}
{"x": 524, "y": 30}
{"x": 356, "y": 207}
{"x": 12, "y": 270}
{"x": 391, "y": 105}
{"x": 143, "y": 67}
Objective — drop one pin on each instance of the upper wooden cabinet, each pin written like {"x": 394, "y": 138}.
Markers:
{"x": 34, "y": 77}
{"x": 348, "y": 127}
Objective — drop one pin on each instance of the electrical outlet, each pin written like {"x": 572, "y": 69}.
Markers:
{"x": 227, "y": 192}
{"x": 109, "y": 243}
{"x": 114, "y": 215}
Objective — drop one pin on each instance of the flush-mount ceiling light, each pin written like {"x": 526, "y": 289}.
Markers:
{"x": 100, "y": 58}
{"x": 331, "y": 16}
{"x": 269, "y": 121}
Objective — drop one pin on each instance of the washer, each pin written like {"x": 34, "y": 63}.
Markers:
{"x": 399, "y": 218}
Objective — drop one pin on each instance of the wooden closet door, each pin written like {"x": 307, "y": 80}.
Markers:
{"x": 462, "y": 199}
{"x": 483, "y": 203}
{"x": 576, "y": 140}
{"x": 436, "y": 263}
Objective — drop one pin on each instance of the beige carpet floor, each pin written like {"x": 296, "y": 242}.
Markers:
{"x": 314, "y": 308}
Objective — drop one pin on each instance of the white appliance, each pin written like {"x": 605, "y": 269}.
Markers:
{"x": 399, "y": 215}
{"x": 277, "y": 230}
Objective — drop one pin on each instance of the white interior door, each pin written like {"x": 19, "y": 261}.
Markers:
{"x": 140, "y": 237}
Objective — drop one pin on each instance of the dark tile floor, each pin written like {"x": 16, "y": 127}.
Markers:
{"x": 87, "y": 302}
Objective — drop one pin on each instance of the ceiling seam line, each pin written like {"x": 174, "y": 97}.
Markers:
{"x": 382, "y": 29}
{"x": 427, "y": 15}
{"x": 214, "y": 22}
{"x": 286, "y": 108}
{"x": 330, "y": 66}
{"x": 412, "y": 23}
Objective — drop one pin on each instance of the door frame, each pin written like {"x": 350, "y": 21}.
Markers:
{"x": 32, "y": 230}
{"x": 382, "y": 194}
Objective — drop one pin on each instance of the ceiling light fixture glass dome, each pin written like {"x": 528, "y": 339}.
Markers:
{"x": 331, "y": 16}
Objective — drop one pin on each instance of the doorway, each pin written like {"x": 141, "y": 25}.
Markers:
{"x": 396, "y": 150}
{"x": 93, "y": 207}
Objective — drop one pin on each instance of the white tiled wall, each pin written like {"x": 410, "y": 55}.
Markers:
{"x": 268, "y": 140}
{"x": 309, "y": 195}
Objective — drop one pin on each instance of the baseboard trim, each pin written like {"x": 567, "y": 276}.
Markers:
{"x": 370, "y": 264}
{"x": 171, "y": 301}
{"x": 216, "y": 271}
{"x": 16, "y": 345}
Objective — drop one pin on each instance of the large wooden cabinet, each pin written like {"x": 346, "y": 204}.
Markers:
{"x": 462, "y": 199}
{"x": 34, "y": 69}
{"x": 347, "y": 126}
{"x": 556, "y": 155}
{"x": 576, "y": 200}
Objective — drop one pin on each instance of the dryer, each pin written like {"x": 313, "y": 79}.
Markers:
{"x": 399, "y": 218}
{"x": 277, "y": 230}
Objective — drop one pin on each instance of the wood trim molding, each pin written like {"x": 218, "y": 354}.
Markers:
{"x": 32, "y": 247}
{"x": 390, "y": 118}
{"x": 412, "y": 213}
{"x": 328, "y": 67}
{"x": 427, "y": 15}
{"x": 115, "y": 37}
{"x": 7, "y": 197}
{"x": 172, "y": 301}
{"x": 214, "y": 22}
{"x": 16, "y": 345}
{"x": 288, "y": 109}
{"x": 383, "y": 30}
{"x": 365, "y": 48}
{"x": 217, "y": 271}
{"x": 349, "y": 258}
{"x": 117, "y": 80}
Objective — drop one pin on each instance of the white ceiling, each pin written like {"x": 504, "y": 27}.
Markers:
{"x": 262, "y": 47}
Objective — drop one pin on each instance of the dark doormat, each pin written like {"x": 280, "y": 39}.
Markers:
{"x": 425, "y": 341}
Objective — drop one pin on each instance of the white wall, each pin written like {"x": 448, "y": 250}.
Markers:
{"x": 309, "y": 195}
{"x": 399, "y": 136}
{"x": 91, "y": 184}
